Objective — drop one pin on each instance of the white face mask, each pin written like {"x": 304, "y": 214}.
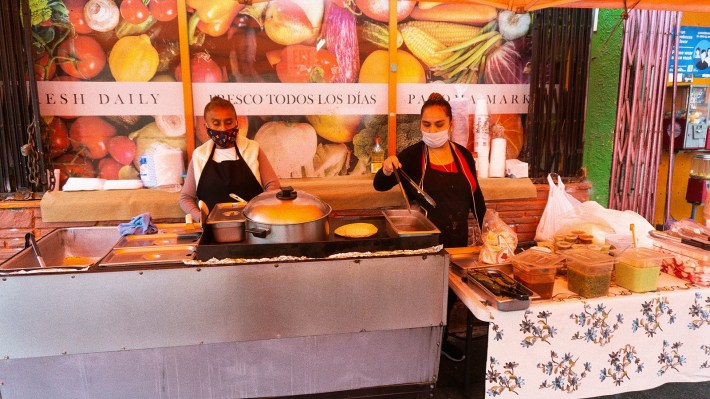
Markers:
{"x": 435, "y": 139}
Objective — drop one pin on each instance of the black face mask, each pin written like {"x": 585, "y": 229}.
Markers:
{"x": 223, "y": 138}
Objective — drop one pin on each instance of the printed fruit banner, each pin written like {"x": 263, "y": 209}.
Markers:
{"x": 101, "y": 67}
{"x": 307, "y": 77}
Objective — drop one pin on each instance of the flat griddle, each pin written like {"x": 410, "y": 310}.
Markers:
{"x": 383, "y": 240}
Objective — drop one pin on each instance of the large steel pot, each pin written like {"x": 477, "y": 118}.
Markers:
{"x": 286, "y": 216}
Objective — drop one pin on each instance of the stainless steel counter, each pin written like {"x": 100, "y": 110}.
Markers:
{"x": 250, "y": 330}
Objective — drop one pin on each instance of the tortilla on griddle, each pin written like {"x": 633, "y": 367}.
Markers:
{"x": 356, "y": 230}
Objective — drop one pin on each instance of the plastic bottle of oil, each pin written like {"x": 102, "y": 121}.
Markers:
{"x": 377, "y": 156}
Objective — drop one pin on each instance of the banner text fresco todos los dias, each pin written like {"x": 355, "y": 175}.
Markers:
{"x": 166, "y": 98}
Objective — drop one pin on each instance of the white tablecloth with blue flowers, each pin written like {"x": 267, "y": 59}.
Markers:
{"x": 572, "y": 347}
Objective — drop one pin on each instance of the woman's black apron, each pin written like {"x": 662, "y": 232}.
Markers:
{"x": 452, "y": 194}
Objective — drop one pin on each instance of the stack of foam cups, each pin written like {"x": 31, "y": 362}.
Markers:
{"x": 481, "y": 137}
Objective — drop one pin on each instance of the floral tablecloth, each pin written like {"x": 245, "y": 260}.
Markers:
{"x": 572, "y": 347}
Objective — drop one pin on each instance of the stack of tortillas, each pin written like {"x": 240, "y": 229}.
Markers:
{"x": 356, "y": 230}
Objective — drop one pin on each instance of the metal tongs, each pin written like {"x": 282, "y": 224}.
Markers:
{"x": 404, "y": 193}
{"x": 30, "y": 241}
{"x": 421, "y": 192}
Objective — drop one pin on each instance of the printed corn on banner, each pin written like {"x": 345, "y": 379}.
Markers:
{"x": 309, "y": 73}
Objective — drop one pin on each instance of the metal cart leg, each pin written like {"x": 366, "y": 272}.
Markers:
{"x": 469, "y": 357}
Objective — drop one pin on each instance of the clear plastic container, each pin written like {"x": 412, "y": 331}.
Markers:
{"x": 536, "y": 270}
{"x": 700, "y": 166}
{"x": 619, "y": 241}
{"x": 689, "y": 263}
{"x": 637, "y": 269}
{"x": 588, "y": 272}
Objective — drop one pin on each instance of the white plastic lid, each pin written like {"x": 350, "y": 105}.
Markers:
{"x": 642, "y": 257}
{"x": 534, "y": 261}
{"x": 481, "y": 106}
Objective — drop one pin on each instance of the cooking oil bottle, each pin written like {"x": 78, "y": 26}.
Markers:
{"x": 377, "y": 156}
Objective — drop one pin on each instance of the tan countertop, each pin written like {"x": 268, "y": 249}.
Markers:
{"x": 342, "y": 192}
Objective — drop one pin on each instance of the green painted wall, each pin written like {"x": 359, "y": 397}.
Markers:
{"x": 605, "y": 59}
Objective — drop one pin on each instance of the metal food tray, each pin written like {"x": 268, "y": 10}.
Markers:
{"x": 178, "y": 228}
{"x": 151, "y": 240}
{"x": 504, "y": 304}
{"x": 406, "y": 224}
{"x": 465, "y": 261}
{"x": 138, "y": 256}
{"x": 226, "y": 222}
{"x": 67, "y": 248}
{"x": 226, "y": 212}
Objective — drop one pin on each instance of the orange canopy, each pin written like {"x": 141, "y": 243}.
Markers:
{"x": 531, "y": 5}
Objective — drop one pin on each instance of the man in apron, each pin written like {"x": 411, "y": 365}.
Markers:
{"x": 226, "y": 164}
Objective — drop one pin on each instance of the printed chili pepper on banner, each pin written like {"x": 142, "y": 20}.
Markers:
{"x": 213, "y": 17}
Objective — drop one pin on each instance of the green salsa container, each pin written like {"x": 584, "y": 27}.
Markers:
{"x": 637, "y": 269}
{"x": 588, "y": 272}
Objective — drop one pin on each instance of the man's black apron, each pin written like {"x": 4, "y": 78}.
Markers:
{"x": 219, "y": 179}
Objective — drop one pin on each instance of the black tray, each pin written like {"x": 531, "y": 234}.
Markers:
{"x": 383, "y": 240}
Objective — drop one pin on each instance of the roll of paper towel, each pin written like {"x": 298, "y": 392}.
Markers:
{"x": 169, "y": 166}
{"x": 497, "y": 166}
{"x": 161, "y": 165}
{"x": 482, "y": 166}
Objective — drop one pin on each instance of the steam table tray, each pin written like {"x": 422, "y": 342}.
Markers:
{"x": 383, "y": 240}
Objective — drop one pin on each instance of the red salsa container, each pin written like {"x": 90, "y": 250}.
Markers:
{"x": 536, "y": 270}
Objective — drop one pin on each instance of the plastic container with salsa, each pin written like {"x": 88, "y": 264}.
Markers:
{"x": 637, "y": 269}
{"x": 536, "y": 270}
{"x": 588, "y": 272}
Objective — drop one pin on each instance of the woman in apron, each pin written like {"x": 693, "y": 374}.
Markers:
{"x": 447, "y": 172}
{"x": 228, "y": 163}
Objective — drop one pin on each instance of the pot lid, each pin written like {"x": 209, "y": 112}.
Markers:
{"x": 287, "y": 206}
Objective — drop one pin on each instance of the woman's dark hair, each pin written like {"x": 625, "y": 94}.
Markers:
{"x": 218, "y": 102}
{"x": 437, "y": 100}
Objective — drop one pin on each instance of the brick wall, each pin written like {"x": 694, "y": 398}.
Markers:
{"x": 20, "y": 217}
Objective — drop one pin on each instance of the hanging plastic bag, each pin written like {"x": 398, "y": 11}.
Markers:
{"x": 558, "y": 203}
{"x": 598, "y": 221}
{"x": 499, "y": 240}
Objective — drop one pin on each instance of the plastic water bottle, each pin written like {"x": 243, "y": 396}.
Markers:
{"x": 147, "y": 170}
{"x": 377, "y": 156}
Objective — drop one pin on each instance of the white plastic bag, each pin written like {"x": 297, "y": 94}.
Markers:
{"x": 598, "y": 221}
{"x": 499, "y": 240}
{"x": 558, "y": 203}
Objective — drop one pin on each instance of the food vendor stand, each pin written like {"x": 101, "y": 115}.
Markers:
{"x": 282, "y": 327}
{"x": 270, "y": 327}
{"x": 572, "y": 347}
